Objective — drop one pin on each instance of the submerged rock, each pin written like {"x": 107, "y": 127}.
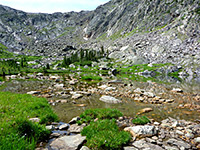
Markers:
{"x": 109, "y": 99}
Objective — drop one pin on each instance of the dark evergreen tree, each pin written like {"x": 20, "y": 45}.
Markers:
{"x": 48, "y": 66}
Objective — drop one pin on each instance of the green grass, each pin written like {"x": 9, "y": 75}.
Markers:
{"x": 141, "y": 120}
{"x": 91, "y": 77}
{"x": 17, "y": 132}
{"x": 105, "y": 134}
{"x": 100, "y": 113}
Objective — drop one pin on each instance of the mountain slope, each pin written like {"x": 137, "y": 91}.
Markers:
{"x": 134, "y": 31}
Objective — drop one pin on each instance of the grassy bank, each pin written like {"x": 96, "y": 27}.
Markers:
{"x": 16, "y": 131}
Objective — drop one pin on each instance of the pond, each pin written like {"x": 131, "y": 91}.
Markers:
{"x": 185, "y": 106}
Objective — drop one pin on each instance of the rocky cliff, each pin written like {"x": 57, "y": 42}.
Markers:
{"x": 134, "y": 31}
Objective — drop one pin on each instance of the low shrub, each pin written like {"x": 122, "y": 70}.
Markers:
{"x": 100, "y": 113}
{"x": 141, "y": 120}
{"x": 105, "y": 134}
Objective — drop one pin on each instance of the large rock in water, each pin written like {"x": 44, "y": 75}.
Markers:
{"x": 109, "y": 99}
{"x": 68, "y": 142}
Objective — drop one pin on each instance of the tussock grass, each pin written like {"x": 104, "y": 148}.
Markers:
{"x": 105, "y": 134}
{"x": 16, "y": 131}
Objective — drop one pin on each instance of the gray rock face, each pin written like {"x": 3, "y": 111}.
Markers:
{"x": 109, "y": 99}
{"x": 68, "y": 142}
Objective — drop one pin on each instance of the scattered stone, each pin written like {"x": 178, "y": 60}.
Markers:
{"x": 178, "y": 90}
{"x": 50, "y": 127}
{"x": 64, "y": 126}
{"x": 189, "y": 135}
{"x": 84, "y": 148}
{"x": 109, "y": 99}
{"x": 54, "y": 77}
{"x": 178, "y": 143}
{"x": 33, "y": 92}
{"x": 197, "y": 140}
{"x": 138, "y": 90}
{"x": 55, "y": 135}
{"x": 68, "y": 142}
{"x": 75, "y": 128}
{"x": 145, "y": 110}
{"x": 167, "y": 147}
{"x": 39, "y": 74}
{"x": 156, "y": 123}
{"x": 72, "y": 82}
{"x": 179, "y": 132}
{"x": 35, "y": 119}
{"x": 142, "y": 131}
{"x": 142, "y": 144}
{"x": 103, "y": 87}
{"x": 13, "y": 76}
{"x": 149, "y": 94}
{"x": 77, "y": 96}
{"x": 59, "y": 86}
{"x": 110, "y": 89}
{"x": 74, "y": 120}
{"x": 130, "y": 148}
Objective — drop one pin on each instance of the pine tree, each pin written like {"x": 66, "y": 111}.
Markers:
{"x": 82, "y": 54}
{"x": 102, "y": 52}
{"x": 48, "y": 66}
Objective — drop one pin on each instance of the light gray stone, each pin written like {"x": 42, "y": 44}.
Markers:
{"x": 33, "y": 92}
{"x": 74, "y": 120}
{"x": 109, "y": 99}
{"x": 50, "y": 127}
{"x": 197, "y": 140}
{"x": 180, "y": 144}
{"x": 84, "y": 148}
{"x": 143, "y": 131}
{"x": 130, "y": 148}
{"x": 64, "y": 126}
{"x": 35, "y": 119}
{"x": 59, "y": 86}
{"x": 142, "y": 144}
{"x": 77, "y": 96}
{"x": 75, "y": 128}
{"x": 68, "y": 142}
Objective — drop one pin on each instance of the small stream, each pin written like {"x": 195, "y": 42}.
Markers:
{"x": 129, "y": 107}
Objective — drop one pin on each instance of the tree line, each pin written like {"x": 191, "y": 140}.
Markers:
{"x": 84, "y": 56}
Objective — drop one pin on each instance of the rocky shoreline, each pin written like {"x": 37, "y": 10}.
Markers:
{"x": 169, "y": 134}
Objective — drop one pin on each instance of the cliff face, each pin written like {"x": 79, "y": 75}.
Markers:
{"x": 135, "y": 31}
